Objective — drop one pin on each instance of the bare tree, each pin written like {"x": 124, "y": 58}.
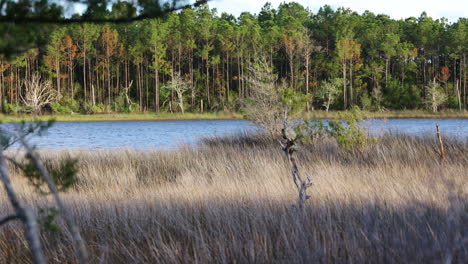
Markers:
{"x": 128, "y": 102}
{"x": 264, "y": 105}
{"x": 38, "y": 93}
{"x": 435, "y": 97}
{"x": 289, "y": 148}
{"x": 180, "y": 86}
{"x": 329, "y": 91}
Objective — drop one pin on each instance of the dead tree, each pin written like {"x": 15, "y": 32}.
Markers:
{"x": 38, "y": 93}
{"x": 128, "y": 101}
{"x": 264, "y": 106}
{"x": 441, "y": 145}
{"x": 289, "y": 148}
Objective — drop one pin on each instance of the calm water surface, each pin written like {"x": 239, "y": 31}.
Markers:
{"x": 146, "y": 135}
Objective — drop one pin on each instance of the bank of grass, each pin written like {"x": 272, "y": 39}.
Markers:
{"x": 221, "y": 115}
{"x": 392, "y": 114}
{"x": 122, "y": 116}
{"x": 229, "y": 200}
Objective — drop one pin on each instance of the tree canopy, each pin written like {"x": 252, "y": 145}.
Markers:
{"x": 382, "y": 63}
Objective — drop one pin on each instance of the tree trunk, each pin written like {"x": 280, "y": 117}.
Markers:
{"x": 140, "y": 93}
{"x": 156, "y": 91}
{"x": 455, "y": 70}
{"x": 387, "y": 62}
{"x": 84, "y": 74}
{"x": 464, "y": 79}
{"x": 239, "y": 88}
{"x": 351, "y": 102}
{"x": 207, "y": 82}
{"x": 126, "y": 72}
{"x": 2, "y": 101}
{"x": 227, "y": 78}
{"x": 307, "y": 80}
{"x": 458, "y": 94}
{"x": 91, "y": 80}
{"x": 108, "y": 82}
{"x": 57, "y": 70}
{"x": 345, "y": 102}
{"x": 192, "y": 85}
{"x": 70, "y": 67}
{"x": 147, "y": 86}
{"x": 291, "y": 68}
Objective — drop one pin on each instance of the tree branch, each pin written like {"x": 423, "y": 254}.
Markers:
{"x": 78, "y": 242}
{"x": 25, "y": 215}
{"x": 47, "y": 20}
{"x": 8, "y": 219}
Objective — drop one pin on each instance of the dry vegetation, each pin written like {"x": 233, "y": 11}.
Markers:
{"x": 229, "y": 200}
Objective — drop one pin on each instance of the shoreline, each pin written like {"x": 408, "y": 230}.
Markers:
{"x": 221, "y": 116}
{"x": 121, "y": 117}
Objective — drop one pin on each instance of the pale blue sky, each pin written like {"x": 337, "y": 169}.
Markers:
{"x": 450, "y": 9}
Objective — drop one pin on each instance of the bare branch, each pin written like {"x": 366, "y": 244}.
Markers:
{"x": 38, "y": 93}
{"x": 8, "y": 219}
{"x": 289, "y": 149}
{"x": 179, "y": 85}
{"x": 79, "y": 245}
{"x": 126, "y": 91}
{"x": 264, "y": 105}
{"x": 25, "y": 215}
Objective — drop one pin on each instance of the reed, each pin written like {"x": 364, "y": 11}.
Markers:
{"x": 229, "y": 200}
{"x": 150, "y": 116}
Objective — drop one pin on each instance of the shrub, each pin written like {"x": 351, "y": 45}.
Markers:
{"x": 65, "y": 106}
{"x": 366, "y": 102}
{"x": 310, "y": 130}
{"x": 89, "y": 108}
{"x": 13, "y": 108}
{"x": 347, "y": 131}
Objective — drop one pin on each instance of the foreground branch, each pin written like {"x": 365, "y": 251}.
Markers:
{"x": 52, "y": 20}
{"x": 24, "y": 214}
{"x": 8, "y": 219}
{"x": 78, "y": 243}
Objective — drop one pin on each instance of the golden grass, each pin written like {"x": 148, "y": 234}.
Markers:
{"x": 229, "y": 200}
{"x": 222, "y": 115}
{"x": 393, "y": 114}
{"x": 121, "y": 117}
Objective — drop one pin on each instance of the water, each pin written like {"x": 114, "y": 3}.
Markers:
{"x": 147, "y": 135}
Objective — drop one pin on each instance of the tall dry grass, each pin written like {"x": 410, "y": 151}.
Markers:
{"x": 229, "y": 200}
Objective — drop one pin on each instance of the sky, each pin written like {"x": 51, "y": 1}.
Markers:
{"x": 450, "y": 9}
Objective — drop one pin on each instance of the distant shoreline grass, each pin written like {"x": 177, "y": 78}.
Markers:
{"x": 220, "y": 115}
{"x": 122, "y": 117}
{"x": 392, "y": 114}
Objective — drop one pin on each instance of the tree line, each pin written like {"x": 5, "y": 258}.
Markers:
{"x": 199, "y": 60}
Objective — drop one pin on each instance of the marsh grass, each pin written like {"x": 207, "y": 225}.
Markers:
{"x": 229, "y": 200}
{"x": 121, "y": 117}
{"x": 392, "y": 114}
{"x": 222, "y": 115}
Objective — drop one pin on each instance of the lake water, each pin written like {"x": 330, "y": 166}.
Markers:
{"x": 146, "y": 135}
